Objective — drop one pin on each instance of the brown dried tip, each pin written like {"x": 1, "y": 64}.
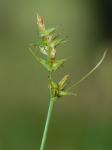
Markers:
{"x": 40, "y": 23}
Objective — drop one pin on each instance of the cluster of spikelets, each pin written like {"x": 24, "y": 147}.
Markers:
{"x": 47, "y": 44}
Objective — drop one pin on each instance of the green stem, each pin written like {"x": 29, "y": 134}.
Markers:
{"x": 47, "y": 125}
{"x": 47, "y": 120}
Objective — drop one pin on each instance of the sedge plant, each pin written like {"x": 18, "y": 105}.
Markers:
{"x": 47, "y": 45}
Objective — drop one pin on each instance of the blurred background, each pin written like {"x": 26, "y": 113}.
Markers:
{"x": 78, "y": 123}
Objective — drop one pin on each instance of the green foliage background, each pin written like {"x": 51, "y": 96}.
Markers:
{"x": 78, "y": 123}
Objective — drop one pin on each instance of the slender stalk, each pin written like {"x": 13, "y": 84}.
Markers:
{"x": 50, "y": 109}
{"x": 46, "y": 125}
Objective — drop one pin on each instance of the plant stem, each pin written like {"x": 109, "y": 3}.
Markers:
{"x": 47, "y": 120}
{"x": 47, "y": 125}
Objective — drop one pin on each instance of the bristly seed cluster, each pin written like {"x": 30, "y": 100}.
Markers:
{"x": 47, "y": 44}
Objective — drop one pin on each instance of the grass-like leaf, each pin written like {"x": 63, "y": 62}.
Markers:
{"x": 89, "y": 73}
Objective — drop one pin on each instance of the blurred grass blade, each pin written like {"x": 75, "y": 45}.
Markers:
{"x": 89, "y": 73}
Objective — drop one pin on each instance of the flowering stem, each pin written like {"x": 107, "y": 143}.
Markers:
{"x": 47, "y": 45}
{"x": 51, "y": 104}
